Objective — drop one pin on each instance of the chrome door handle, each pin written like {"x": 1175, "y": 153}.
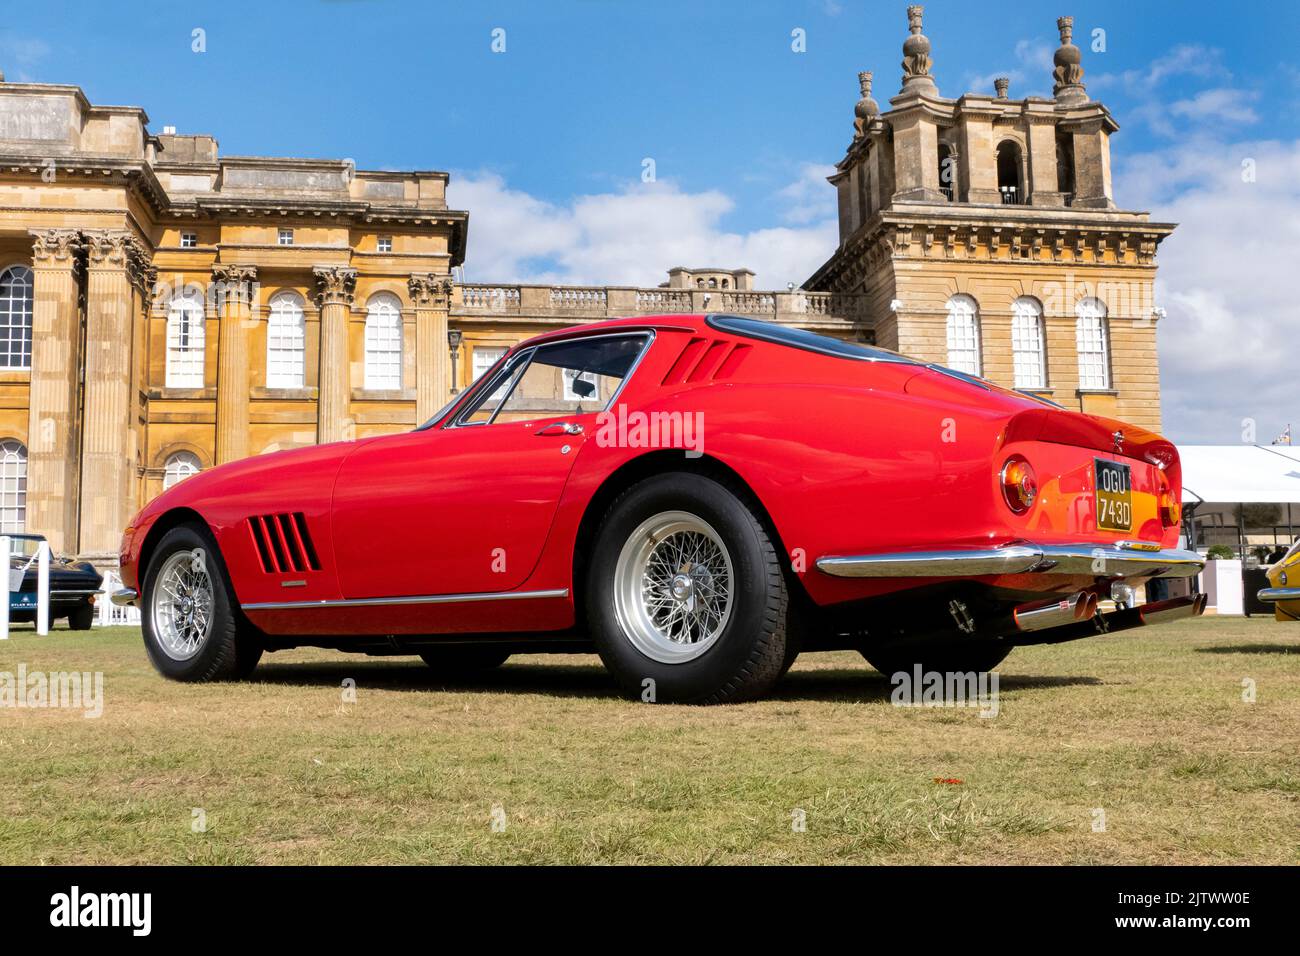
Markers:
{"x": 561, "y": 428}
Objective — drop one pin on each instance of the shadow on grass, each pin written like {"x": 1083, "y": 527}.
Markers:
{"x": 593, "y": 681}
{"x": 1251, "y": 649}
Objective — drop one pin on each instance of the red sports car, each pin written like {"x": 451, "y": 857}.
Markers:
{"x": 697, "y": 498}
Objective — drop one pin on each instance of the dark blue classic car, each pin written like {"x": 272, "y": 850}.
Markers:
{"x": 73, "y": 585}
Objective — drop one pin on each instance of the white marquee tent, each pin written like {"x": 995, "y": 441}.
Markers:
{"x": 1241, "y": 474}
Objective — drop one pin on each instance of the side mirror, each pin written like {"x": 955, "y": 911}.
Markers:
{"x": 583, "y": 388}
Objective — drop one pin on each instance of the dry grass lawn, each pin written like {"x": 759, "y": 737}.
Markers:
{"x": 1148, "y": 726}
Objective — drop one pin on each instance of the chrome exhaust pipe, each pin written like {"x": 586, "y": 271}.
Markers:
{"x": 1162, "y": 612}
{"x": 1080, "y": 606}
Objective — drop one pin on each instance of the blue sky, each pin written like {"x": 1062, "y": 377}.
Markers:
{"x": 546, "y": 141}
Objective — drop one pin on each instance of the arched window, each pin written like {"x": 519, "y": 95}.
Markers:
{"x": 384, "y": 342}
{"x": 963, "y": 335}
{"x": 180, "y": 466}
{"x": 285, "y": 363}
{"x": 1093, "y": 344}
{"x": 1009, "y": 184}
{"x": 185, "y": 334}
{"x": 1065, "y": 164}
{"x": 1027, "y": 343}
{"x": 16, "y": 317}
{"x": 947, "y": 172}
{"x": 13, "y": 486}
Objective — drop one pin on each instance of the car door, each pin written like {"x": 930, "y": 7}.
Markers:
{"x": 466, "y": 508}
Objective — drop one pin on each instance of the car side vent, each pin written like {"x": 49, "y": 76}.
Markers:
{"x": 283, "y": 543}
{"x": 703, "y": 361}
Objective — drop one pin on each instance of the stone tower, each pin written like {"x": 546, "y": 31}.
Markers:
{"x": 986, "y": 235}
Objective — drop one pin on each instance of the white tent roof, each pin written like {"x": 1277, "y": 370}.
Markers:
{"x": 1241, "y": 474}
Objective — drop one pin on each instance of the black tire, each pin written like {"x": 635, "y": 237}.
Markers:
{"x": 976, "y": 656}
{"x": 81, "y": 618}
{"x": 463, "y": 660}
{"x": 746, "y": 656}
{"x": 232, "y": 647}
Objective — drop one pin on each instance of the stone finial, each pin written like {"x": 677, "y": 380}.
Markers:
{"x": 1068, "y": 71}
{"x": 916, "y": 57}
{"x": 866, "y": 109}
{"x": 1001, "y": 84}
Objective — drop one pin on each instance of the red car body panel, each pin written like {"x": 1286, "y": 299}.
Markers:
{"x": 845, "y": 456}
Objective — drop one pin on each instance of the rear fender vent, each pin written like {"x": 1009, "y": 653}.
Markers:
{"x": 703, "y": 361}
{"x": 283, "y": 543}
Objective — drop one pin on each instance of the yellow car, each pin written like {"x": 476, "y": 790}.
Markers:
{"x": 1284, "y": 586}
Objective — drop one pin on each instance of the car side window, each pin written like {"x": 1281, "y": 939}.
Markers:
{"x": 563, "y": 378}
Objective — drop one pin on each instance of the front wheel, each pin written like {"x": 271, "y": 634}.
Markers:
{"x": 192, "y": 629}
{"x": 685, "y": 594}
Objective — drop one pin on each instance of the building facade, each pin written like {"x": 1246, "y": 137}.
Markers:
{"x": 164, "y": 308}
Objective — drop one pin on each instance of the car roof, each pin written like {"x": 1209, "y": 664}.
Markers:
{"x": 678, "y": 323}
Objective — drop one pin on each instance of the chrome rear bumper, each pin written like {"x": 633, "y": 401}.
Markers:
{"x": 1123, "y": 559}
{"x": 1271, "y": 595}
{"x": 123, "y": 596}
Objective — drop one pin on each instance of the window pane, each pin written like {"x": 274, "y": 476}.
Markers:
{"x": 484, "y": 358}
{"x": 285, "y": 365}
{"x": 963, "y": 337}
{"x": 567, "y": 378}
{"x": 384, "y": 344}
{"x": 1027, "y": 344}
{"x": 16, "y": 317}
{"x": 1090, "y": 341}
{"x": 179, "y": 467}
{"x": 185, "y": 341}
{"x": 13, "y": 486}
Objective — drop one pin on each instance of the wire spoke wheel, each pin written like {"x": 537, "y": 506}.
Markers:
{"x": 674, "y": 587}
{"x": 182, "y": 605}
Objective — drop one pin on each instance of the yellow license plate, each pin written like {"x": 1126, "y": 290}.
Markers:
{"x": 1114, "y": 486}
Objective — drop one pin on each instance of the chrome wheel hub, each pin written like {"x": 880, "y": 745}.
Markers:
{"x": 673, "y": 587}
{"x": 182, "y": 604}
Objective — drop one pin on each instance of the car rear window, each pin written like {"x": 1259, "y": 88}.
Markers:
{"x": 803, "y": 339}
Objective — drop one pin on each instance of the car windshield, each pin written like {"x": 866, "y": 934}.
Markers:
{"x": 803, "y": 339}
{"x": 24, "y": 546}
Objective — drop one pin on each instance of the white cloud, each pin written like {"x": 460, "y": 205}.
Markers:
{"x": 632, "y": 237}
{"x": 1032, "y": 69}
{"x": 1220, "y": 105}
{"x": 1227, "y": 345}
{"x": 24, "y": 52}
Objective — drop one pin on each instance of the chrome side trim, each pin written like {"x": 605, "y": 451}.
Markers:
{"x": 1125, "y": 559}
{"x": 417, "y": 599}
{"x": 124, "y": 597}
{"x": 1269, "y": 595}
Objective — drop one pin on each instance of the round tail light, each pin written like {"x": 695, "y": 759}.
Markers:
{"x": 1171, "y": 509}
{"x": 1019, "y": 484}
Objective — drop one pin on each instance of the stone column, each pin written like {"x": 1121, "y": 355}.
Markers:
{"x": 108, "y": 442}
{"x": 431, "y": 295}
{"x": 53, "y": 424}
{"x": 335, "y": 287}
{"x": 233, "y": 297}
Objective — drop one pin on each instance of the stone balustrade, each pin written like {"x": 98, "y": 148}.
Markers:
{"x": 563, "y": 304}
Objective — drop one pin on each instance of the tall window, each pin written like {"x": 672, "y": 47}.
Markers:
{"x": 13, "y": 486}
{"x": 1027, "y": 343}
{"x": 185, "y": 333}
{"x": 285, "y": 360}
{"x": 963, "y": 335}
{"x": 180, "y": 466}
{"x": 1009, "y": 181}
{"x": 16, "y": 317}
{"x": 384, "y": 342}
{"x": 484, "y": 358}
{"x": 947, "y": 172}
{"x": 1093, "y": 344}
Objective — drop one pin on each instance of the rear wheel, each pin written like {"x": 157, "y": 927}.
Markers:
{"x": 685, "y": 594}
{"x": 81, "y": 618}
{"x": 977, "y": 656}
{"x": 192, "y": 628}
{"x": 463, "y": 660}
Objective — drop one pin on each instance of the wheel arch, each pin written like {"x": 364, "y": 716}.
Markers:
{"x": 653, "y": 464}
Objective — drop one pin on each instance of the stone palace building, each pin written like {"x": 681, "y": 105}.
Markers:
{"x": 165, "y": 308}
